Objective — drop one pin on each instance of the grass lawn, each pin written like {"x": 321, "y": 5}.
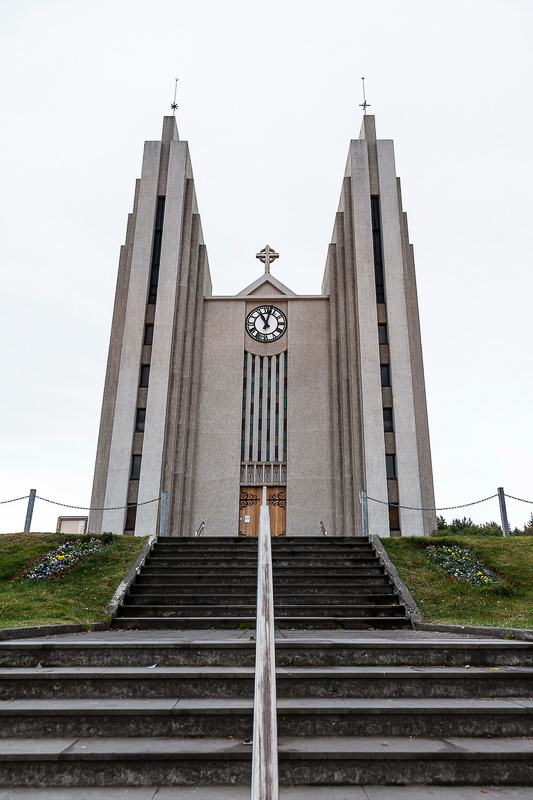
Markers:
{"x": 79, "y": 597}
{"x": 444, "y": 599}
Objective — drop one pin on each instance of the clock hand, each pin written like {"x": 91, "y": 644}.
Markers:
{"x": 269, "y": 312}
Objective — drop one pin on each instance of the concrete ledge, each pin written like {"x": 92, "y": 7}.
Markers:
{"x": 523, "y": 634}
{"x": 32, "y": 631}
{"x": 405, "y": 595}
{"x": 124, "y": 585}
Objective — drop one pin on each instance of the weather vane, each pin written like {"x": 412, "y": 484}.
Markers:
{"x": 174, "y": 106}
{"x": 364, "y": 105}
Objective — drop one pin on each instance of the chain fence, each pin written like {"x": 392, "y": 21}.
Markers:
{"x": 441, "y": 508}
{"x": 374, "y": 500}
{"x": 81, "y": 508}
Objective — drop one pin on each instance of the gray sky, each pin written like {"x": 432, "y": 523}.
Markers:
{"x": 269, "y": 98}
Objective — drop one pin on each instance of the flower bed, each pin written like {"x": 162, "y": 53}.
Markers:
{"x": 57, "y": 563}
{"x": 462, "y": 565}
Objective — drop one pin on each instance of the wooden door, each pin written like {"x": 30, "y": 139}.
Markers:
{"x": 249, "y": 505}
{"x": 276, "y": 501}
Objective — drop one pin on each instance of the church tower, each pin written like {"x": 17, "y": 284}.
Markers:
{"x": 317, "y": 397}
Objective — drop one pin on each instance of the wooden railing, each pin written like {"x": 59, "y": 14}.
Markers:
{"x": 265, "y": 736}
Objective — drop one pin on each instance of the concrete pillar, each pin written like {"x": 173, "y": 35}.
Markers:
{"x": 411, "y": 522}
{"x": 128, "y": 381}
{"x": 162, "y": 347}
{"x": 371, "y": 414}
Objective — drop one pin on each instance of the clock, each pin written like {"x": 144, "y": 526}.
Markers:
{"x": 266, "y": 323}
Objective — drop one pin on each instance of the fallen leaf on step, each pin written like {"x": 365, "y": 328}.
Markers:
{"x": 484, "y": 790}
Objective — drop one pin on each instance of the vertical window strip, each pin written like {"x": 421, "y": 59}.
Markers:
{"x": 264, "y": 424}
{"x": 261, "y": 412}
{"x": 250, "y": 427}
{"x": 285, "y": 409}
{"x": 156, "y": 249}
{"x": 270, "y": 406}
{"x": 378, "y": 250}
{"x": 256, "y": 420}
{"x": 281, "y": 416}
{"x": 244, "y": 406}
{"x": 264, "y": 403}
{"x": 276, "y": 418}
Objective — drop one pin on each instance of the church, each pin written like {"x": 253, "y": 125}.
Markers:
{"x": 318, "y": 398}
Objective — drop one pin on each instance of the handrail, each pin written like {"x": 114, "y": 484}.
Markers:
{"x": 265, "y": 736}
{"x": 201, "y": 529}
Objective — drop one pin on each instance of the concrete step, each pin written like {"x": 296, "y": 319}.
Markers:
{"x": 227, "y": 609}
{"x": 219, "y": 682}
{"x": 285, "y": 793}
{"x": 192, "y": 596}
{"x": 348, "y": 761}
{"x": 237, "y": 562}
{"x": 346, "y": 583}
{"x": 299, "y": 716}
{"x": 37, "y": 655}
{"x": 231, "y": 571}
{"x": 280, "y": 610}
{"x": 405, "y": 760}
{"x": 467, "y": 654}
{"x": 124, "y": 762}
{"x": 169, "y": 579}
{"x": 200, "y": 563}
{"x": 198, "y": 623}
{"x": 248, "y": 623}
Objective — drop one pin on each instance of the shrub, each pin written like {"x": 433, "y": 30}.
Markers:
{"x": 465, "y": 527}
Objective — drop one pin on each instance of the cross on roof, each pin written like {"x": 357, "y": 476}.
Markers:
{"x": 266, "y": 255}
{"x": 364, "y": 105}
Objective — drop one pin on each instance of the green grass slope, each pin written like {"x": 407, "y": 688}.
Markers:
{"x": 441, "y": 598}
{"x": 81, "y": 596}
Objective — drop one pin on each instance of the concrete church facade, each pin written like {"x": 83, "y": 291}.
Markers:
{"x": 208, "y": 399}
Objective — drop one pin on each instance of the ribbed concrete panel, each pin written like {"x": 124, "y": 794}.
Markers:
{"x": 346, "y": 479}
{"x": 112, "y": 373}
{"x": 419, "y": 387}
{"x": 411, "y": 522}
{"x": 309, "y": 419}
{"x": 371, "y": 414}
{"x": 126, "y": 398}
{"x": 162, "y": 347}
{"x": 218, "y": 444}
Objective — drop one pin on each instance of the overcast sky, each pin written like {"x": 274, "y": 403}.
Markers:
{"x": 269, "y": 97}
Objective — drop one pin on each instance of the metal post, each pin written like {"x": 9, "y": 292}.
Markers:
{"x": 29, "y": 512}
{"x": 503, "y": 511}
{"x": 163, "y": 514}
{"x": 364, "y": 509}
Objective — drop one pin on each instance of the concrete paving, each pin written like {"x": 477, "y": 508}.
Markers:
{"x": 286, "y": 793}
{"x": 200, "y": 636}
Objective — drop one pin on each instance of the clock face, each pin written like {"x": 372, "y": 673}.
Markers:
{"x": 266, "y": 323}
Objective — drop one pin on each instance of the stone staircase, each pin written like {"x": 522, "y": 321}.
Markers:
{"x": 319, "y": 583}
{"x": 354, "y": 708}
